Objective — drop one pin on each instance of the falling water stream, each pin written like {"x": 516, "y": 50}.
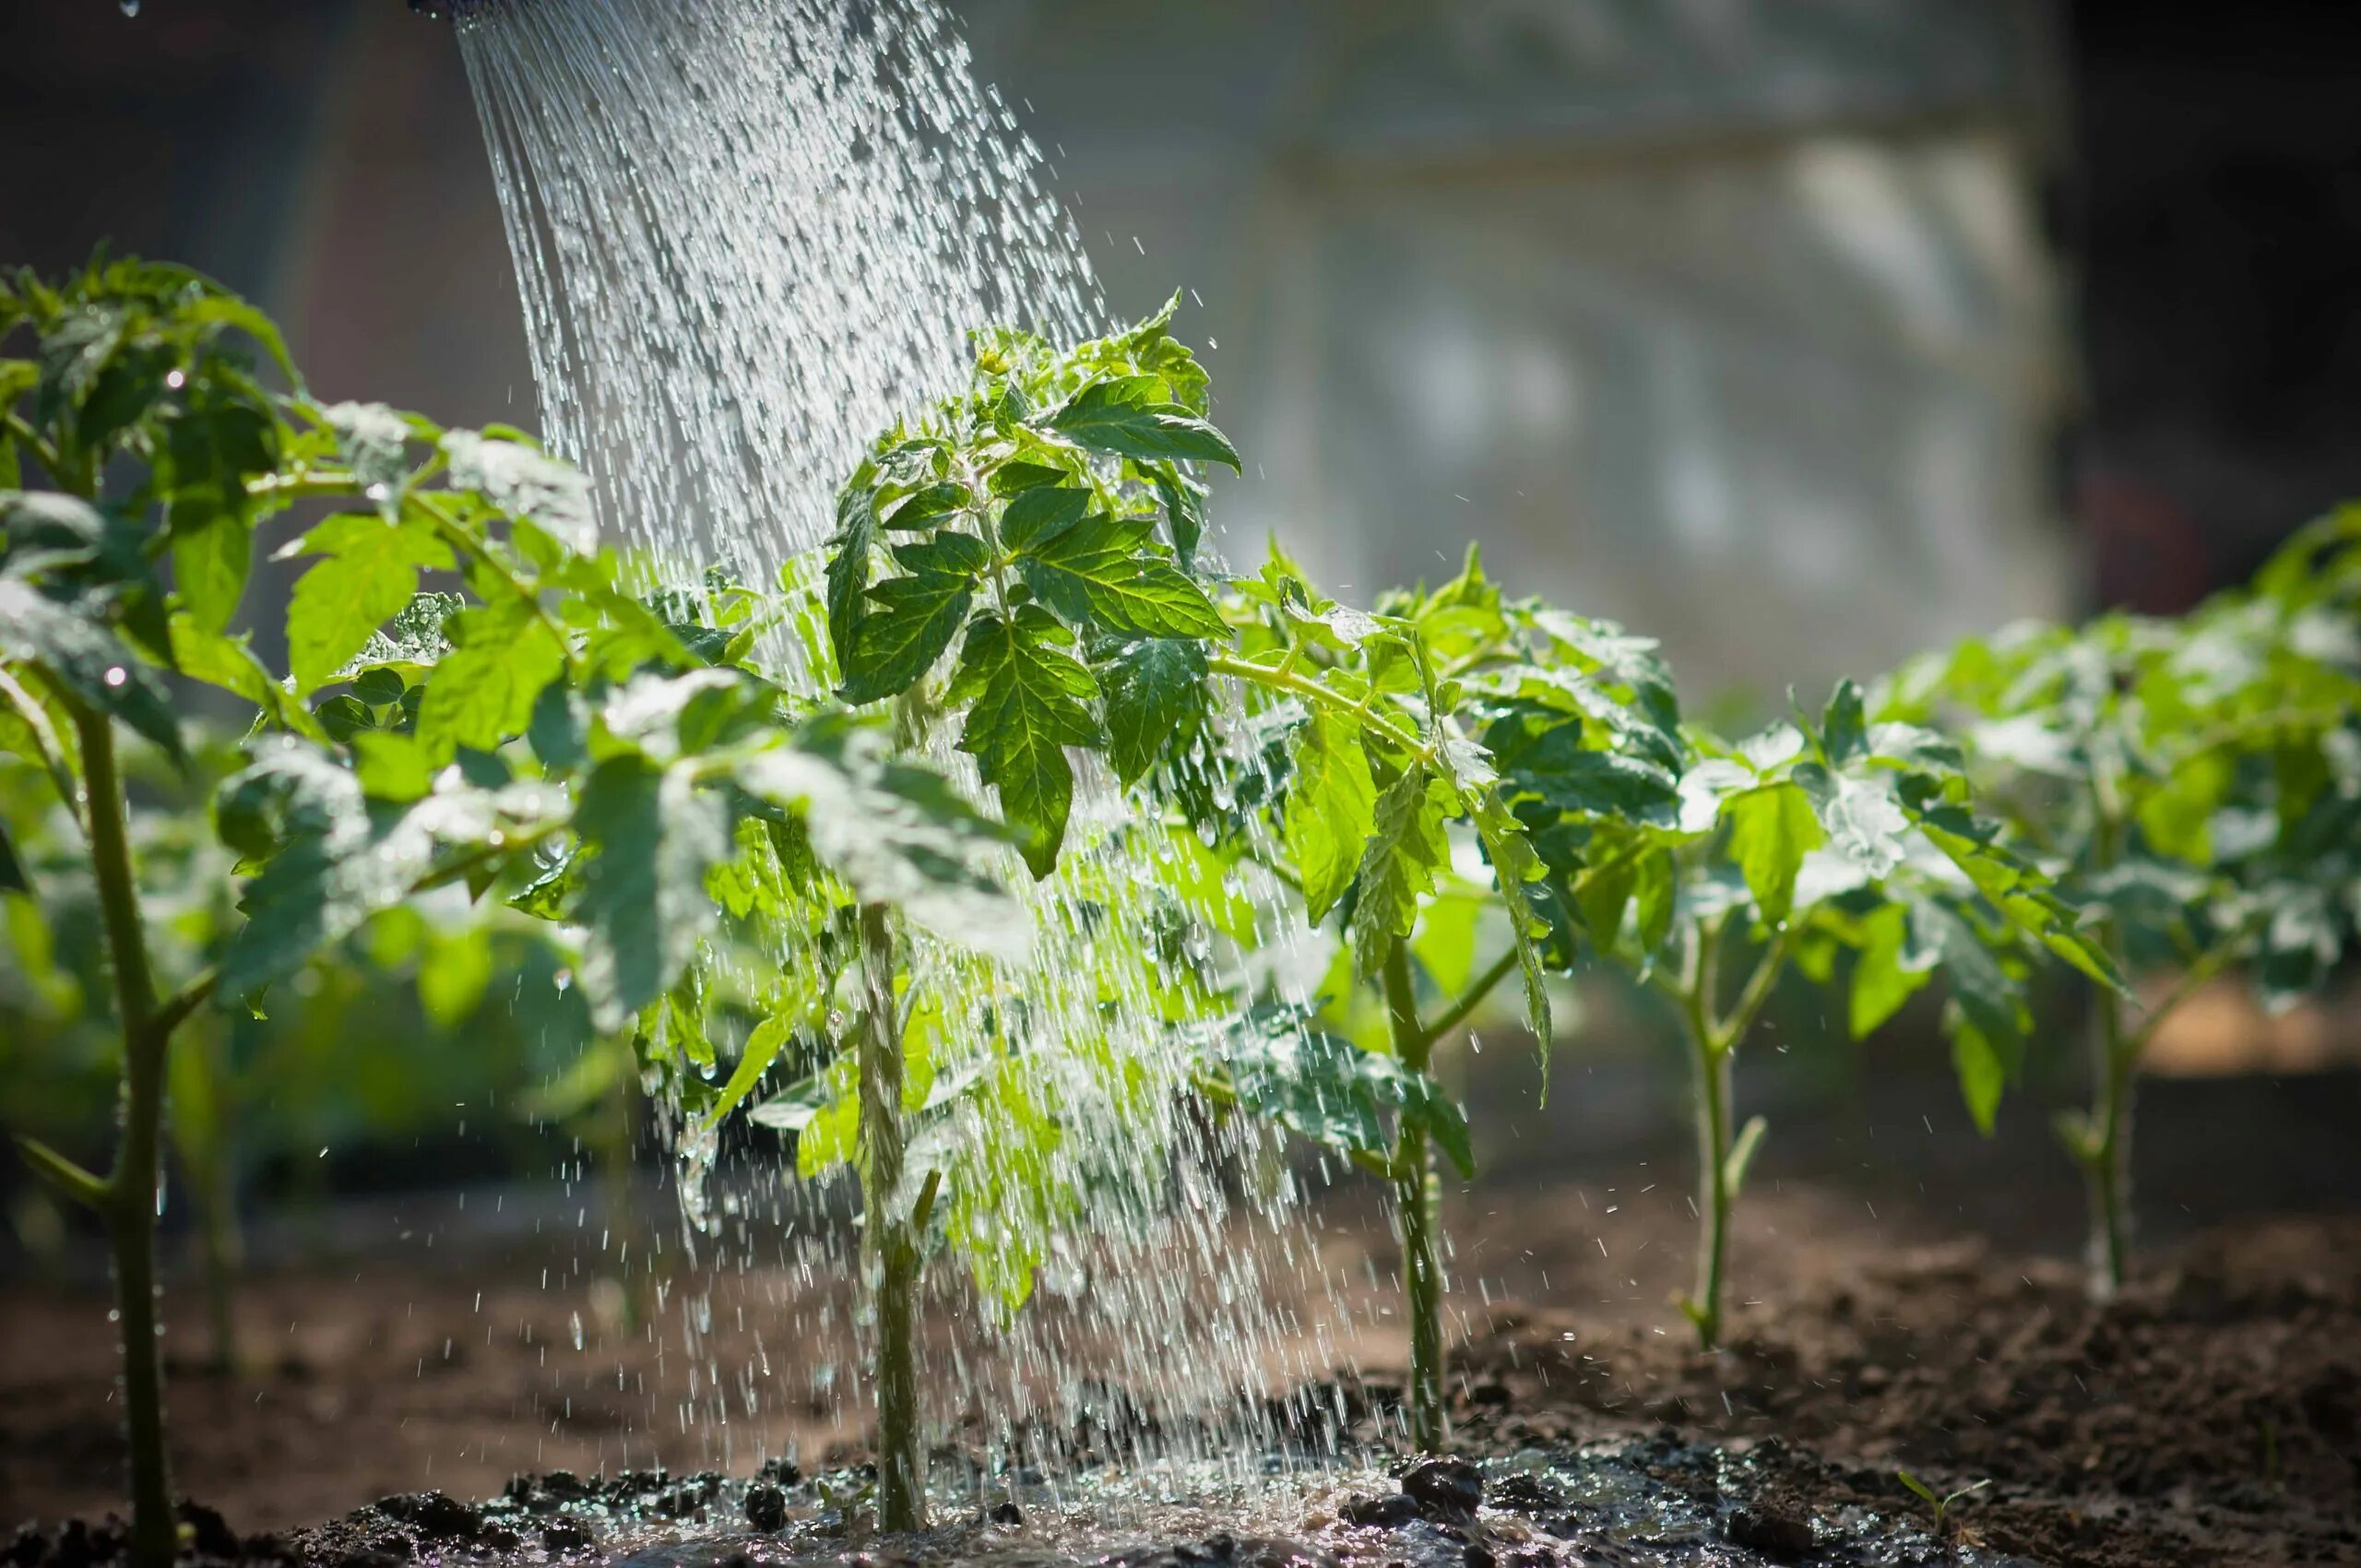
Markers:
{"x": 749, "y": 236}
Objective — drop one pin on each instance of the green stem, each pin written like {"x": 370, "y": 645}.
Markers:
{"x": 2107, "y": 1165}
{"x": 132, "y": 1186}
{"x": 1279, "y": 680}
{"x": 1470, "y": 999}
{"x": 1415, "y": 1191}
{"x": 1713, "y": 1067}
{"x": 892, "y": 1252}
{"x": 2106, "y": 1160}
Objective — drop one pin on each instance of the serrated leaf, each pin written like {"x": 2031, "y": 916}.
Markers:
{"x": 369, "y": 575}
{"x": 925, "y": 507}
{"x": 1038, "y": 515}
{"x": 1406, "y": 850}
{"x": 898, "y": 833}
{"x": 525, "y": 483}
{"x": 374, "y": 441}
{"x": 1133, "y": 416}
{"x": 87, "y": 659}
{"x": 332, "y": 861}
{"x": 1984, "y": 1063}
{"x": 651, "y": 834}
{"x": 1184, "y": 511}
{"x": 849, "y": 552}
{"x": 1891, "y": 968}
{"x": 1330, "y": 807}
{"x": 910, "y": 622}
{"x": 231, "y": 664}
{"x": 1025, "y": 705}
{"x": 1515, "y": 867}
{"x": 1843, "y": 728}
{"x": 1155, "y": 689}
{"x": 1771, "y": 828}
{"x": 482, "y": 691}
{"x": 1097, "y": 572}
{"x": 210, "y": 560}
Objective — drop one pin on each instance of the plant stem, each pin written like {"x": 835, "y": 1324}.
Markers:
{"x": 2106, "y": 1166}
{"x": 2106, "y": 1161}
{"x": 1470, "y": 999}
{"x": 1415, "y": 1191}
{"x": 1280, "y": 680}
{"x": 892, "y": 1258}
{"x": 131, "y": 1188}
{"x": 1713, "y": 1067}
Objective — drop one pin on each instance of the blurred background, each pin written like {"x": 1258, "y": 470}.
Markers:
{"x": 1802, "y": 334}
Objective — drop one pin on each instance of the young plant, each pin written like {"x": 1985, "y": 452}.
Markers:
{"x": 1057, "y": 530}
{"x": 2201, "y": 777}
{"x": 1011, "y": 523}
{"x": 1685, "y": 859}
{"x": 1940, "y": 1503}
{"x": 1370, "y": 780}
{"x": 387, "y": 763}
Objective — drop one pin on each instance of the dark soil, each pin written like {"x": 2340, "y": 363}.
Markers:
{"x": 2211, "y": 1416}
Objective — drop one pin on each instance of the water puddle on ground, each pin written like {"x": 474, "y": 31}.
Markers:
{"x": 1628, "y": 1504}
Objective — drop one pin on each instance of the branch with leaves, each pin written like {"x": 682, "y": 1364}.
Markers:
{"x": 2200, "y": 778}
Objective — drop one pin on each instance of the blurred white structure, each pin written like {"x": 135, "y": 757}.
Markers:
{"x": 1729, "y": 319}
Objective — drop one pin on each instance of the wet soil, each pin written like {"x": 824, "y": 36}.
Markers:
{"x": 2211, "y": 1415}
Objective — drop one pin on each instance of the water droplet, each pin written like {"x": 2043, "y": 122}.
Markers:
{"x": 173, "y": 379}
{"x": 116, "y": 675}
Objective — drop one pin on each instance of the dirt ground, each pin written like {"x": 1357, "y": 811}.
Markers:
{"x": 2212, "y": 1415}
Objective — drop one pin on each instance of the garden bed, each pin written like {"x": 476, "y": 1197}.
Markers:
{"x": 2212, "y": 1415}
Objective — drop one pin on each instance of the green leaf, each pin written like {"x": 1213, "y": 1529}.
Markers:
{"x": 1039, "y": 514}
{"x": 482, "y": 691}
{"x": 369, "y": 576}
{"x": 1155, "y": 690}
{"x": 1843, "y": 728}
{"x": 1515, "y": 867}
{"x": 1322, "y": 1087}
{"x": 525, "y": 483}
{"x": 1096, "y": 571}
{"x": 1184, "y": 511}
{"x": 851, "y": 551}
{"x": 1985, "y": 1065}
{"x": 88, "y": 661}
{"x": 926, "y": 507}
{"x": 1330, "y": 807}
{"x": 1892, "y": 968}
{"x": 1771, "y": 828}
{"x": 652, "y": 834}
{"x": 209, "y": 454}
{"x": 898, "y": 833}
{"x": 2177, "y": 817}
{"x": 1025, "y": 700}
{"x": 374, "y": 441}
{"x": 559, "y": 728}
{"x": 231, "y": 664}
{"x": 1133, "y": 416}
{"x": 13, "y": 877}
{"x": 1406, "y": 850}
{"x": 209, "y": 564}
{"x": 911, "y": 621}
{"x": 762, "y": 1046}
